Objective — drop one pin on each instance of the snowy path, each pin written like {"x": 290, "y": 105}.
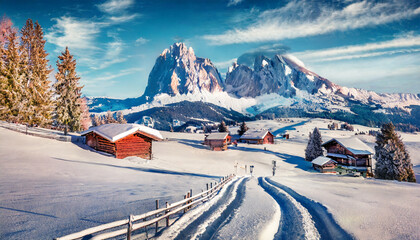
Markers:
{"x": 204, "y": 221}
{"x": 302, "y": 218}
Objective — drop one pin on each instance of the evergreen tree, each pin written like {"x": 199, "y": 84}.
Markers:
{"x": 223, "y": 127}
{"x": 392, "y": 159}
{"x": 109, "y": 117}
{"x": 96, "y": 120}
{"x": 85, "y": 119}
{"x": 68, "y": 93}
{"x": 314, "y": 147}
{"x": 121, "y": 119}
{"x": 242, "y": 128}
{"x": 39, "y": 95}
{"x": 12, "y": 80}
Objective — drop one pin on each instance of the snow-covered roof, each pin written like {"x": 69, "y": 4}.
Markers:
{"x": 321, "y": 160}
{"x": 343, "y": 156}
{"x": 217, "y": 136}
{"x": 115, "y": 131}
{"x": 353, "y": 144}
{"x": 254, "y": 134}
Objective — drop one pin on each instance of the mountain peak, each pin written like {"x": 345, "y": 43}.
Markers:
{"x": 178, "y": 71}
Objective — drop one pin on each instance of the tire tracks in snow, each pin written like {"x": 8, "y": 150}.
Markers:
{"x": 207, "y": 224}
{"x": 321, "y": 220}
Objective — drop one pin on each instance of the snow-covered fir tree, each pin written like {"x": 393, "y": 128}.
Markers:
{"x": 222, "y": 127}
{"x": 39, "y": 94}
{"x": 13, "y": 91}
{"x": 242, "y": 128}
{"x": 121, "y": 119}
{"x": 68, "y": 92}
{"x": 109, "y": 117}
{"x": 314, "y": 147}
{"x": 85, "y": 119}
{"x": 392, "y": 159}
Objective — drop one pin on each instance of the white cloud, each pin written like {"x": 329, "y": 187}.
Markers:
{"x": 234, "y": 2}
{"x": 115, "y": 6}
{"x": 124, "y": 18}
{"x": 225, "y": 64}
{"x": 110, "y": 76}
{"x": 76, "y": 34}
{"x": 141, "y": 41}
{"x": 363, "y": 50}
{"x": 303, "y": 18}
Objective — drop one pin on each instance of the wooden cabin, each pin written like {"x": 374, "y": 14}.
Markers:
{"x": 122, "y": 140}
{"x": 218, "y": 141}
{"x": 257, "y": 137}
{"x": 324, "y": 164}
{"x": 350, "y": 152}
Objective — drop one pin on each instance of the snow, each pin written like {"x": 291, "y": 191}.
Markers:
{"x": 321, "y": 160}
{"x": 295, "y": 60}
{"x": 250, "y": 134}
{"x": 264, "y": 63}
{"x": 50, "y": 188}
{"x": 217, "y": 136}
{"x": 287, "y": 71}
{"x": 115, "y": 131}
{"x": 353, "y": 144}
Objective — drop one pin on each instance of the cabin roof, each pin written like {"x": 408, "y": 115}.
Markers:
{"x": 353, "y": 144}
{"x": 115, "y": 131}
{"x": 217, "y": 136}
{"x": 254, "y": 134}
{"x": 321, "y": 160}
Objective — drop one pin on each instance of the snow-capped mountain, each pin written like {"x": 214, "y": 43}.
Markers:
{"x": 283, "y": 74}
{"x": 281, "y": 86}
{"x": 178, "y": 71}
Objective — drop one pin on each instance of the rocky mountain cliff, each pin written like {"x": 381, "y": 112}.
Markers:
{"x": 282, "y": 74}
{"x": 178, "y": 71}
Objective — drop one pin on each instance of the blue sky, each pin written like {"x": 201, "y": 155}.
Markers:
{"x": 373, "y": 45}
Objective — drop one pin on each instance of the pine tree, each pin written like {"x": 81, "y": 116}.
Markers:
{"x": 314, "y": 147}
{"x": 120, "y": 118}
{"x": 309, "y": 147}
{"x": 109, "y": 117}
{"x": 242, "y": 128}
{"x": 68, "y": 93}
{"x": 13, "y": 89}
{"x": 85, "y": 119}
{"x": 96, "y": 120}
{"x": 223, "y": 127}
{"x": 40, "y": 105}
{"x": 392, "y": 159}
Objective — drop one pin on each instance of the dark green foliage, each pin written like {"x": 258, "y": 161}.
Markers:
{"x": 196, "y": 113}
{"x": 314, "y": 147}
{"x": 392, "y": 159}
{"x": 222, "y": 127}
{"x": 243, "y": 128}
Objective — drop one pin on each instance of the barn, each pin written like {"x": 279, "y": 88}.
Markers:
{"x": 257, "y": 137}
{"x": 350, "y": 152}
{"x": 218, "y": 141}
{"x": 122, "y": 140}
{"x": 324, "y": 164}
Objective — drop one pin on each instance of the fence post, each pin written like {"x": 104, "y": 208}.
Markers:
{"x": 185, "y": 197}
{"x": 130, "y": 227}
{"x": 157, "y": 207}
{"x": 167, "y": 218}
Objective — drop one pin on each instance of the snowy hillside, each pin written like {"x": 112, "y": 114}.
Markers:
{"x": 54, "y": 188}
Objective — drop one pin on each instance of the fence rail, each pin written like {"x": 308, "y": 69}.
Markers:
{"x": 155, "y": 215}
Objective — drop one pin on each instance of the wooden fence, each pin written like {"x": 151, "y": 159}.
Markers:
{"x": 127, "y": 226}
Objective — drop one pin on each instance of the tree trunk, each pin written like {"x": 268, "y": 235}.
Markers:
{"x": 65, "y": 130}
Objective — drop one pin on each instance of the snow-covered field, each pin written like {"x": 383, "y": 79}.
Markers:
{"x": 50, "y": 188}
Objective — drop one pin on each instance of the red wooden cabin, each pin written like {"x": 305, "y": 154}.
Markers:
{"x": 257, "y": 137}
{"x": 350, "y": 152}
{"x": 218, "y": 141}
{"x": 122, "y": 140}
